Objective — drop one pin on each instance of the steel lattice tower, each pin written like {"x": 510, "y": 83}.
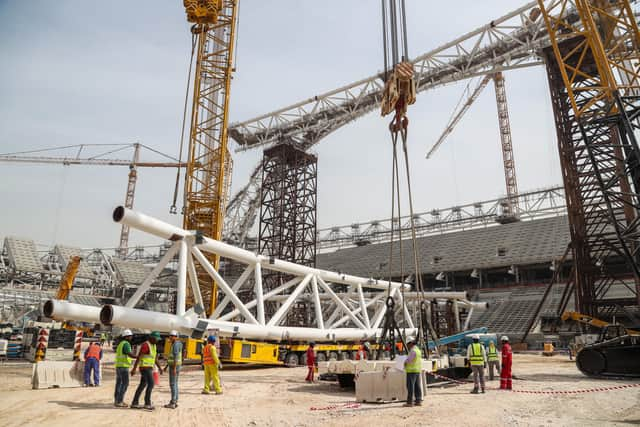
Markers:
{"x": 288, "y": 213}
{"x": 599, "y": 262}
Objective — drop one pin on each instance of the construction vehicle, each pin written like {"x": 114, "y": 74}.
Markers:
{"x": 590, "y": 321}
{"x": 616, "y": 354}
{"x": 446, "y": 359}
{"x": 208, "y": 175}
{"x": 64, "y": 289}
{"x": 236, "y": 350}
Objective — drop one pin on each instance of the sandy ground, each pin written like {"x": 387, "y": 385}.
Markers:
{"x": 280, "y": 397}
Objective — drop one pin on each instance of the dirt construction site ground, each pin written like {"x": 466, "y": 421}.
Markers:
{"x": 280, "y": 397}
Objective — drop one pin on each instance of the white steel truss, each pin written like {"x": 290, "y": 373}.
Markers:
{"x": 345, "y": 307}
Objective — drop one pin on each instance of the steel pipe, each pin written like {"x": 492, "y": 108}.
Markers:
{"x": 163, "y": 230}
{"x": 65, "y": 310}
{"x": 163, "y": 322}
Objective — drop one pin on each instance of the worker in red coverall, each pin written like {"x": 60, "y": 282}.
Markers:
{"x": 363, "y": 351}
{"x": 311, "y": 362}
{"x": 505, "y": 373}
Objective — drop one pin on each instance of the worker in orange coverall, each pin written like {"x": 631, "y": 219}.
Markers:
{"x": 505, "y": 373}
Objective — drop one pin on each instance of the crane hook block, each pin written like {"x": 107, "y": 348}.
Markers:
{"x": 399, "y": 89}
{"x": 203, "y": 11}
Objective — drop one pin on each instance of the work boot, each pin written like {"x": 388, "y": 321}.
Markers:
{"x": 135, "y": 406}
{"x": 149, "y": 407}
{"x": 418, "y": 403}
{"x": 474, "y": 391}
{"x": 408, "y": 404}
{"x": 482, "y": 391}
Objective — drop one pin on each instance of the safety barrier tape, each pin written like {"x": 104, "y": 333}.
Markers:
{"x": 442, "y": 377}
{"x": 352, "y": 405}
{"x": 588, "y": 390}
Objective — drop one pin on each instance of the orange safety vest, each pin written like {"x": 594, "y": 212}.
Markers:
{"x": 207, "y": 355}
{"x": 94, "y": 351}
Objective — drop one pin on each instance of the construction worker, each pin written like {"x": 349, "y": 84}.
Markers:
{"x": 363, "y": 351}
{"x": 124, "y": 357}
{"x": 505, "y": 372}
{"x": 494, "y": 361}
{"x": 478, "y": 360}
{"x": 92, "y": 357}
{"x": 413, "y": 367}
{"x": 103, "y": 339}
{"x": 211, "y": 366}
{"x": 174, "y": 363}
{"x": 311, "y": 362}
{"x": 147, "y": 358}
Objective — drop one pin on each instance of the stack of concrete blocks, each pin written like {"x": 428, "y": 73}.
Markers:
{"x": 385, "y": 381}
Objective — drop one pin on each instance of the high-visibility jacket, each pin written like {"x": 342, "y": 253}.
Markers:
{"x": 210, "y": 355}
{"x": 122, "y": 360}
{"x": 415, "y": 366}
{"x": 492, "y": 354}
{"x": 148, "y": 360}
{"x": 93, "y": 351}
{"x": 476, "y": 357}
{"x": 170, "y": 358}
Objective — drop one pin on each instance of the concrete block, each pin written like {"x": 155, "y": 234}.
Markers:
{"x": 381, "y": 386}
{"x": 49, "y": 374}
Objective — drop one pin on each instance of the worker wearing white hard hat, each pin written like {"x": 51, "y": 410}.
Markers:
{"x": 174, "y": 363}
{"x": 412, "y": 368}
{"x": 504, "y": 338}
{"x": 124, "y": 358}
{"x": 477, "y": 356}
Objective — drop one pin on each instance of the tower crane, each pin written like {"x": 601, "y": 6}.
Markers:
{"x": 510, "y": 209}
{"x": 99, "y": 160}
{"x": 208, "y": 176}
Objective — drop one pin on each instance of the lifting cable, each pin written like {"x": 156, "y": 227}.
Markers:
{"x": 173, "y": 209}
{"x": 399, "y": 92}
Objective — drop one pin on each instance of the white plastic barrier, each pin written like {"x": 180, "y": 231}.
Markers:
{"x": 49, "y": 374}
{"x": 4, "y": 345}
{"x": 384, "y": 386}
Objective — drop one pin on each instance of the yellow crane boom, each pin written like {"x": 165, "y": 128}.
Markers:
{"x": 208, "y": 175}
{"x": 590, "y": 320}
{"x": 66, "y": 283}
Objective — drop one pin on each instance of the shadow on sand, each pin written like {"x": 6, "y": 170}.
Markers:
{"x": 82, "y": 405}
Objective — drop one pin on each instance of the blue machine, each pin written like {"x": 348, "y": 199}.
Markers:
{"x": 463, "y": 339}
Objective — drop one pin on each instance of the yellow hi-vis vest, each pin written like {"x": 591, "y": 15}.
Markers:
{"x": 415, "y": 366}
{"x": 148, "y": 360}
{"x": 492, "y": 354}
{"x": 122, "y": 360}
{"x": 476, "y": 354}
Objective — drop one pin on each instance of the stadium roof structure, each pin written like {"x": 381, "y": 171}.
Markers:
{"x": 519, "y": 243}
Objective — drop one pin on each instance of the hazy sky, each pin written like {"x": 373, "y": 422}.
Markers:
{"x": 115, "y": 72}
